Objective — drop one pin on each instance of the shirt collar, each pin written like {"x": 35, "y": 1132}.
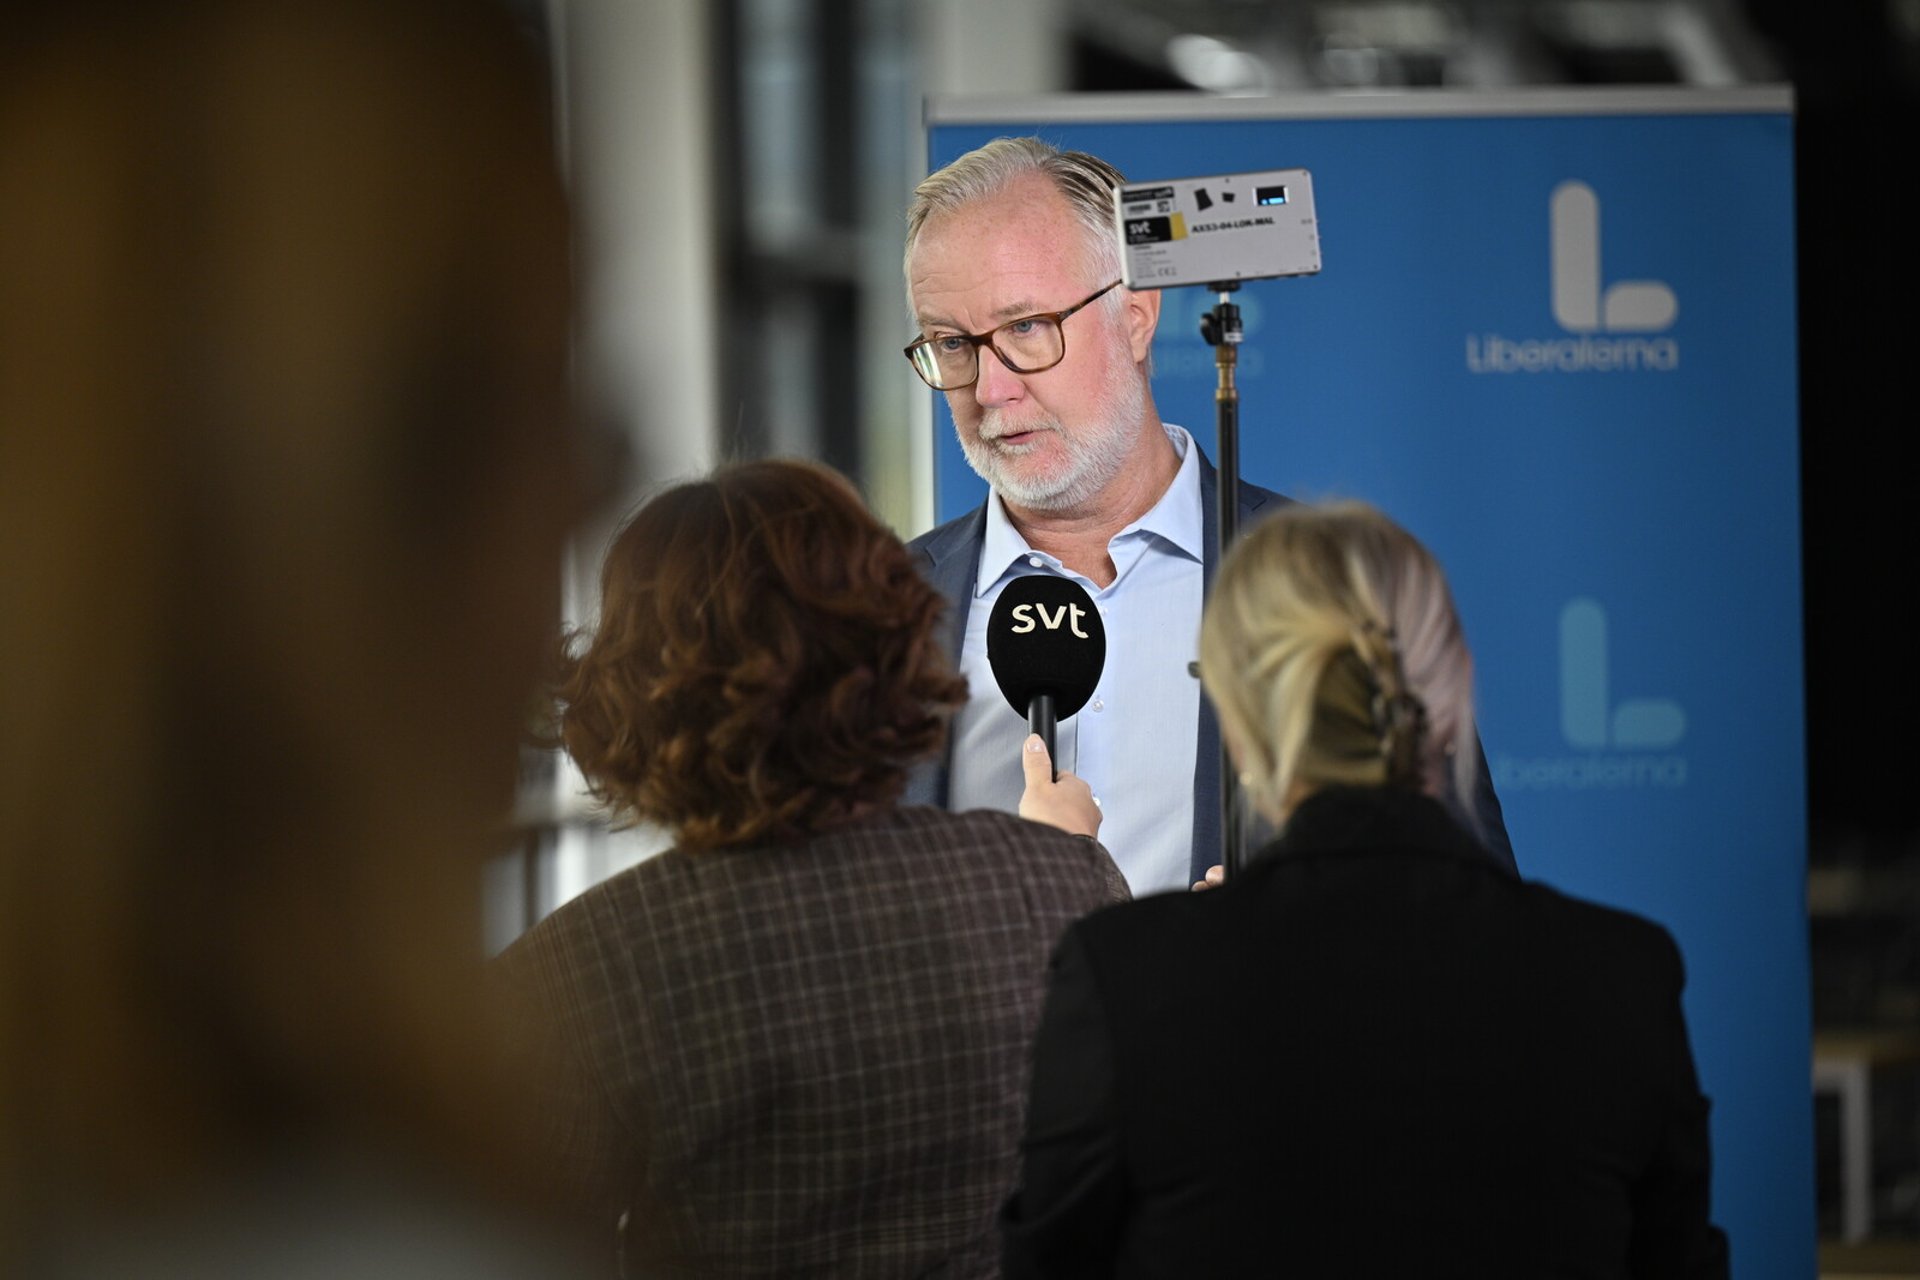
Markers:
{"x": 1175, "y": 518}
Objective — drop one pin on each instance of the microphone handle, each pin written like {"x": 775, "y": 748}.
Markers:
{"x": 1040, "y": 721}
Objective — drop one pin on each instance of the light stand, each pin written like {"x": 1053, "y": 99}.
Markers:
{"x": 1217, "y": 231}
{"x": 1220, "y": 328}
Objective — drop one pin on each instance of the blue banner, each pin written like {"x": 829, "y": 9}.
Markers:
{"x": 1555, "y": 339}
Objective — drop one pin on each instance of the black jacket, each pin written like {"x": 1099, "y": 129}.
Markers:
{"x": 1413, "y": 1064}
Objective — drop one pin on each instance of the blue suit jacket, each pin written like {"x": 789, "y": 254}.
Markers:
{"x": 949, "y": 557}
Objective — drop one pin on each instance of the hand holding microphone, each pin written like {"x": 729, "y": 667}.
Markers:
{"x": 1047, "y": 647}
{"x": 1057, "y": 799}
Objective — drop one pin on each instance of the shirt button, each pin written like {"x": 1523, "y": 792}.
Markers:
{"x": 1099, "y": 704}
{"x": 1036, "y": 562}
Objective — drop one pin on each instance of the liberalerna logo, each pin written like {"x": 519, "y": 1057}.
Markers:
{"x": 1615, "y": 325}
{"x": 1610, "y": 743}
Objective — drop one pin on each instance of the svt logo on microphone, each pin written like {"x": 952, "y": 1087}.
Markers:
{"x": 1047, "y": 645}
{"x": 1070, "y": 614}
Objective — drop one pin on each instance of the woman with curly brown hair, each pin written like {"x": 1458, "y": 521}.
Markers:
{"x": 797, "y": 1039}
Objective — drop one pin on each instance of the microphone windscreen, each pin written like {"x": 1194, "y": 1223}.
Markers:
{"x": 1045, "y": 636}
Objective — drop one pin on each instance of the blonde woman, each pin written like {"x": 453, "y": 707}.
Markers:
{"x": 1374, "y": 1051}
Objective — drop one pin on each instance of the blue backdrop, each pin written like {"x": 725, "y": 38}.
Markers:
{"x": 1555, "y": 338}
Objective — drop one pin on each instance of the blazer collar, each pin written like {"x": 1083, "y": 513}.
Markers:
{"x": 960, "y": 538}
{"x": 1372, "y": 820}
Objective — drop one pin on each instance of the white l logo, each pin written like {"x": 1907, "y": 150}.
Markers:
{"x": 1632, "y": 306}
{"x": 1587, "y": 716}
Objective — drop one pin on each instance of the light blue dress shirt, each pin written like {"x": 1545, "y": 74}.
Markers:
{"x": 1134, "y": 741}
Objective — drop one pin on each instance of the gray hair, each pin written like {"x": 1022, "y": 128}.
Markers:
{"x": 1087, "y": 183}
{"x": 1332, "y": 650}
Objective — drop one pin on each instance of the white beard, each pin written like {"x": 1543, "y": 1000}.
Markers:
{"x": 1095, "y": 453}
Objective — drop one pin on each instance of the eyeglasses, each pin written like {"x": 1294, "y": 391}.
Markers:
{"x": 1031, "y": 344}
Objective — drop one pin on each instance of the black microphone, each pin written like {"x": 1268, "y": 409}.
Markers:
{"x": 1046, "y": 645}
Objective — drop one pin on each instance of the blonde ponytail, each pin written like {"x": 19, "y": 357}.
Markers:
{"x": 1332, "y": 651}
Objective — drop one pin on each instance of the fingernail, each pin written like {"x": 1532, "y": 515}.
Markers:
{"x": 1033, "y": 742}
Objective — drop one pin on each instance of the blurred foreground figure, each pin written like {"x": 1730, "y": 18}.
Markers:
{"x": 797, "y": 1042}
{"x": 285, "y": 471}
{"x": 1414, "y": 1064}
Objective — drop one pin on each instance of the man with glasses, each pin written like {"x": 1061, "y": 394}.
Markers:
{"x": 1013, "y": 274}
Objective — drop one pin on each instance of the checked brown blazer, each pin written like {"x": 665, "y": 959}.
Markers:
{"x": 811, "y": 1059}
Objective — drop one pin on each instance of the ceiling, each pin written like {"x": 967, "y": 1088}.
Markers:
{"x": 1260, "y": 46}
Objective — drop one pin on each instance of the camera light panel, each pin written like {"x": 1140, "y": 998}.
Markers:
{"x": 1237, "y": 226}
